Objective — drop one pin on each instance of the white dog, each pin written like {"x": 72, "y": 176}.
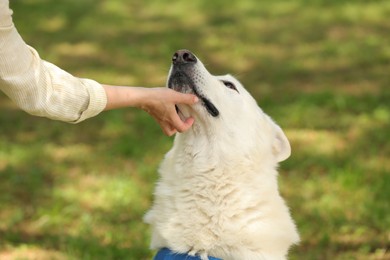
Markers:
{"x": 218, "y": 194}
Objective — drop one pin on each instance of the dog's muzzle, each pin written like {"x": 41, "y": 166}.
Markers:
{"x": 180, "y": 79}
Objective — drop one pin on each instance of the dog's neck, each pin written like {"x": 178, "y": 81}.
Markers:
{"x": 207, "y": 144}
{"x": 199, "y": 142}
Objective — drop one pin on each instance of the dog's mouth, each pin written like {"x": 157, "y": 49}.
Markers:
{"x": 181, "y": 82}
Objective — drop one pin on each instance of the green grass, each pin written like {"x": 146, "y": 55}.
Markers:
{"x": 319, "y": 68}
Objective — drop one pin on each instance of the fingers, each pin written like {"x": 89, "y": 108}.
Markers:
{"x": 169, "y": 131}
{"x": 181, "y": 98}
{"x": 165, "y": 113}
{"x": 184, "y": 126}
{"x": 177, "y": 126}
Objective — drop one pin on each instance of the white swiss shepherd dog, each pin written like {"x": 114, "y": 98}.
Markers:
{"x": 218, "y": 194}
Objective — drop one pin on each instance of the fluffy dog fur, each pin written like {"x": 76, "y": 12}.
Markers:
{"x": 218, "y": 194}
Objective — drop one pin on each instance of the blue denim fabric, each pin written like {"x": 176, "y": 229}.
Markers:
{"x": 166, "y": 254}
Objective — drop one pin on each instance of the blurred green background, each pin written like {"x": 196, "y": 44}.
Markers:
{"x": 320, "y": 68}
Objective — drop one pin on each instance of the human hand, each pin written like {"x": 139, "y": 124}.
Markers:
{"x": 160, "y": 104}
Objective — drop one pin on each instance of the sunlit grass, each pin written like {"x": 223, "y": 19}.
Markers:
{"x": 319, "y": 68}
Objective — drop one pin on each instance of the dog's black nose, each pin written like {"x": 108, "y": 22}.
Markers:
{"x": 183, "y": 57}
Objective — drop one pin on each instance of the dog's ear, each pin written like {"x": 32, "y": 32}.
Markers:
{"x": 281, "y": 146}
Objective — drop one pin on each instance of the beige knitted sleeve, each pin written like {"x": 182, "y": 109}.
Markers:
{"x": 39, "y": 87}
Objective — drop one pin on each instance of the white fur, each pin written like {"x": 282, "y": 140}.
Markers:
{"x": 218, "y": 194}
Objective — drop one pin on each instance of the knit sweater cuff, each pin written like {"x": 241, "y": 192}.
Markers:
{"x": 97, "y": 101}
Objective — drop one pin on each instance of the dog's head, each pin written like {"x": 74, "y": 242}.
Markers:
{"x": 226, "y": 110}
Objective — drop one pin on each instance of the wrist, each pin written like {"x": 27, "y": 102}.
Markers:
{"x": 120, "y": 97}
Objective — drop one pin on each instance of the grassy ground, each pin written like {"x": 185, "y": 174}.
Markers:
{"x": 320, "y": 68}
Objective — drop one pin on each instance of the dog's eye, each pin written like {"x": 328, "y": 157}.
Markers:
{"x": 229, "y": 85}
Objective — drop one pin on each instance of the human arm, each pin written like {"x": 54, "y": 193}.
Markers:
{"x": 39, "y": 87}
{"x": 43, "y": 89}
{"x": 158, "y": 102}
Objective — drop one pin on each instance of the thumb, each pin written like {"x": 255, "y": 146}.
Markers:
{"x": 182, "y": 126}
